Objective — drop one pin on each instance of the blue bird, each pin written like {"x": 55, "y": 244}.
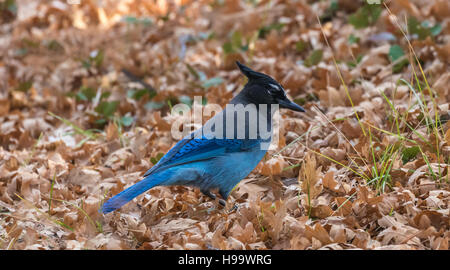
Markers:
{"x": 222, "y": 152}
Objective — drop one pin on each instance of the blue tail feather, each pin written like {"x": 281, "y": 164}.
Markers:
{"x": 130, "y": 193}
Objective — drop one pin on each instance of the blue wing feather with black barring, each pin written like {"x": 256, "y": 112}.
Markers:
{"x": 192, "y": 150}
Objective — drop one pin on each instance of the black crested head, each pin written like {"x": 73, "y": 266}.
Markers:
{"x": 254, "y": 76}
{"x": 263, "y": 89}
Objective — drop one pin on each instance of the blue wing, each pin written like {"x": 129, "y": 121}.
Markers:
{"x": 192, "y": 150}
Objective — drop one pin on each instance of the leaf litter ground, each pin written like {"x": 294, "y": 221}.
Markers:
{"x": 85, "y": 97}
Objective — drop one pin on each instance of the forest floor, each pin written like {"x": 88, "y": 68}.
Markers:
{"x": 86, "y": 92}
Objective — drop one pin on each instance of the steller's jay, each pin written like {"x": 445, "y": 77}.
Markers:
{"x": 223, "y": 151}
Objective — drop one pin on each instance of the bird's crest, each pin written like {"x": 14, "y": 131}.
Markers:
{"x": 251, "y": 74}
{"x": 259, "y": 77}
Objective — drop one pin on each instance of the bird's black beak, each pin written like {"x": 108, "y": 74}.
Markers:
{"x": 287, "y": 104}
